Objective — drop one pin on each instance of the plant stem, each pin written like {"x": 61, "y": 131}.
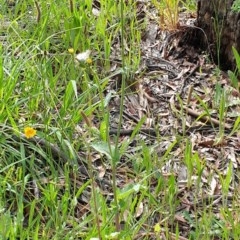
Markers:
{"x": 116, "y": 155}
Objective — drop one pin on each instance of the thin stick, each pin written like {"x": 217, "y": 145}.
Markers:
{"x": 38, "y": 11}
{"x": 204, "y": 118}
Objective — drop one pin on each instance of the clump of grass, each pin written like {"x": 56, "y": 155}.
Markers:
{"x": 168, "y": 13}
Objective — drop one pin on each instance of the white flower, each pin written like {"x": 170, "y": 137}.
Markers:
{"x": 82, "y": 57}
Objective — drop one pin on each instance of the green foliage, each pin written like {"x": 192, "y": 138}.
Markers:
{"x": 48, "y": 184}
{"x": 188, "y": 5}
{"x": 236, "y": 6}
{"x": 234, "y": 75}
{"x": 168, "y": 13}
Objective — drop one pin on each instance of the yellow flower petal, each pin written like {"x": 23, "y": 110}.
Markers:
{"x": 71, "y": 50}
{"x": 29, "y": 132}
{"x": 157, "y": 228}
{"x": 89, "y": 61}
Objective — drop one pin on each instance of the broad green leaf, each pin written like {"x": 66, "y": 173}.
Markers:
{"x": 103, "y": 147}
{"x": 126, "y": 191}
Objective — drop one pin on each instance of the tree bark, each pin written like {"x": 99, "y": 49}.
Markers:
{"x": 222, "y": 28}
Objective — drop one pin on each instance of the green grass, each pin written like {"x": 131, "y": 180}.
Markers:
{"x": 44, "y": 194}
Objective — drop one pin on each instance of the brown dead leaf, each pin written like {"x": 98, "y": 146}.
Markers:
{"x": 207, "y": 143}
{"x": 213, "y": 185}
{"x": 101, "y": 171}
{"x": 139, "y": 210}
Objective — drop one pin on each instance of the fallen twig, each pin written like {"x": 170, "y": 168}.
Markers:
{"x": 204, "y": 118}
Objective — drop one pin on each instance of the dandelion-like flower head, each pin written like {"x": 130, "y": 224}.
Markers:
{"x": 29, "y": 132}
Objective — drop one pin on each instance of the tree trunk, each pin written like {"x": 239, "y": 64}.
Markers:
{"x": 222, "y": 28}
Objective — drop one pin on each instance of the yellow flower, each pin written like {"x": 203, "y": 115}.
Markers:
{"x": 29, "y": 132}
{"x": 89, "y": 61}
{"x": 157, "y": 228}
{"x": 71, "y": 50}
